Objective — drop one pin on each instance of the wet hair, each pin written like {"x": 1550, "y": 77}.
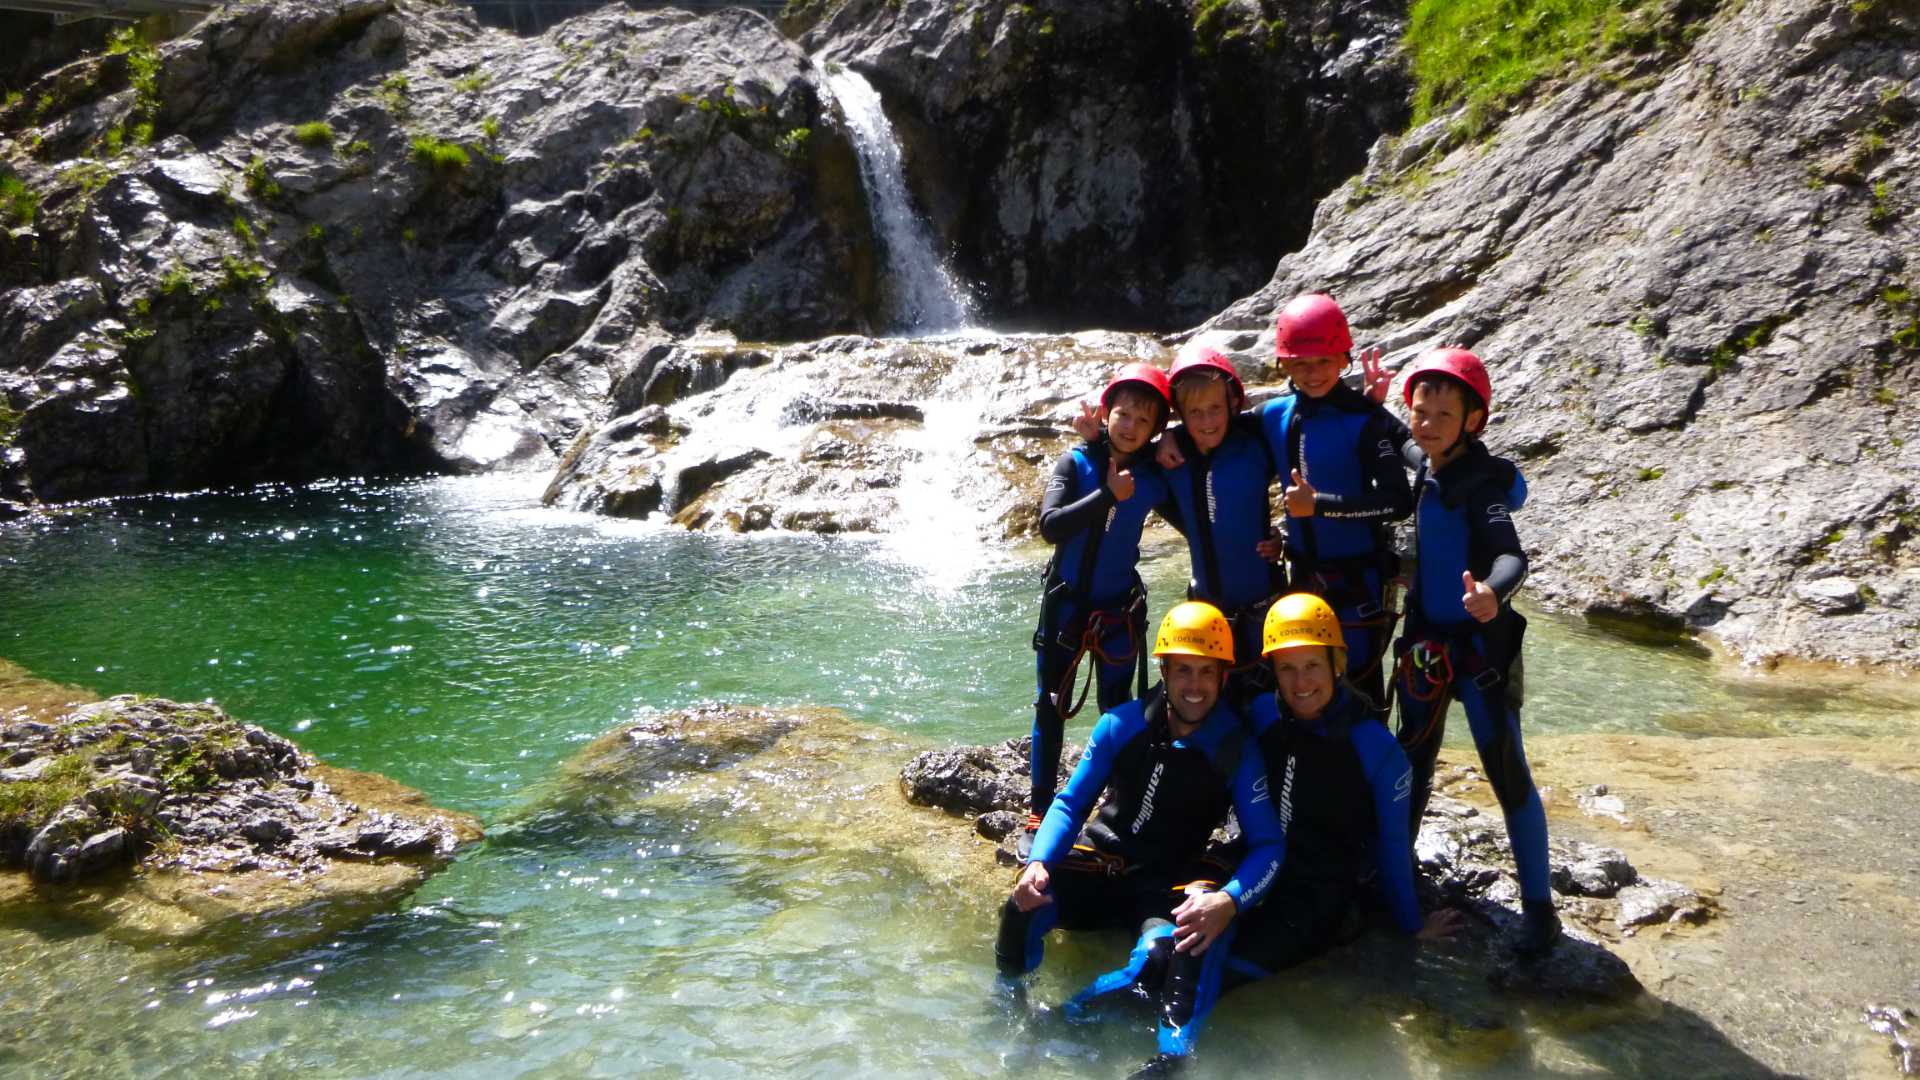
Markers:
{"x": 1190, "y": 383}
{"x": 1468, "y": 396}
{"x": 1137, "y": 395}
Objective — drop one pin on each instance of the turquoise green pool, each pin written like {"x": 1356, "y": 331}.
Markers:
{"x": 457, "y": 637}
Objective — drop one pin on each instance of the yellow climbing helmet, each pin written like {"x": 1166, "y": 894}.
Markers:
{"x": 1195, "y": 629}
{"x": 1304, "y": 619}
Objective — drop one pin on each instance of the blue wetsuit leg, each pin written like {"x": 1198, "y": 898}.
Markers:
{"x": 1496, "y": 734}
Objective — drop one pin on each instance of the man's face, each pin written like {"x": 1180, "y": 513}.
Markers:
{"x": 1193, "y": 685}
{"x": 1314, "y": 376}
{"x": 1203, "y": 409}
{"x": 1303, "y": 675}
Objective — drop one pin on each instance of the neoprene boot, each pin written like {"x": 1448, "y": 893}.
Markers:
{"x": 1539, "y": 929}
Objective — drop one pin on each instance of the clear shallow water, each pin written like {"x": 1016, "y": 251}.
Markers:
{"x": 454, "y": 636}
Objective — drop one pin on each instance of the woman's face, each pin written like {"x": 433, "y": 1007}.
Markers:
{"x": 1304, "y": 674}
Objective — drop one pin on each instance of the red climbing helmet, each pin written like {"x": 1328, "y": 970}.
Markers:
{"x": 1311, "y": 325}
{"x": 1150, "y": 378}
{"x": 1453, "y": 363}
{"x": 1205, "y": 359}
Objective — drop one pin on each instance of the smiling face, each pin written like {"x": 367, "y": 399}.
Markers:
{"x": 1304, "y": 678}
{"x": 1131, "y": 419}
{"x": 1193, "y": 685}
{"x": 1204, "y": 410}
{"x": 1438, "y": 414}
{"x": 1314, "y": 376}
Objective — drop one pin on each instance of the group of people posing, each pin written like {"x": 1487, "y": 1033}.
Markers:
{"x": 1274, "y": 674}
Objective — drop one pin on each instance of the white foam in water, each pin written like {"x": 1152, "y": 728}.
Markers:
{"x": 926, "y": 298}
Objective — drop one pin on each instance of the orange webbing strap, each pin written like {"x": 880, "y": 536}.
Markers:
{"x": 1428, "y": 662}
{"x": 1090, "y": 642}
{"x": 1083, "y": 857}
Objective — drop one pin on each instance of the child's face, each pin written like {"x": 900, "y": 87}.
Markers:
{"x": 1130, "y": 422}
{"x": 1438, "y": 415}
{"x": 1203, "y": 409}
{"x": 1314, "y": 376}
{"x": 1304, "y": 675}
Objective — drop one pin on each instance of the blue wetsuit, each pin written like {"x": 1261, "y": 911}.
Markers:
{"x": 1092, "y": 595}
{"x": 1165, "y": 796}
{"x": 1348, "y": 448}
{"x": 1218, "y": 501}
{"x": 1340, "y": 787}
{"x": 1464, "y": 522}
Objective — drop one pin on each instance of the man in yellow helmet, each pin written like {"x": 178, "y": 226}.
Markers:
{"x": 1171, "y": 764}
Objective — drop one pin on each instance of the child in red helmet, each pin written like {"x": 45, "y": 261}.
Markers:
{"x": 1093, "y": 606}
{"x": 1462, "y": 638}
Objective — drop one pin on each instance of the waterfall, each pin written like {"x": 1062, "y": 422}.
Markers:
{"x": 924, "y": 297}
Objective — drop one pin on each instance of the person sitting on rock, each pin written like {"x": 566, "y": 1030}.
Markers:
{"x": 1339, "y": 784}
{"x": 1093, "y": 605}
{"x": 1171, "y": 766}
{"x": 1462, "y": 638}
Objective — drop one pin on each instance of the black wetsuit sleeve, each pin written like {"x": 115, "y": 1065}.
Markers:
{"x": 1494, "y": 542}
{"x": 1389, "y": 498}
{"x": 1061, "y": 520}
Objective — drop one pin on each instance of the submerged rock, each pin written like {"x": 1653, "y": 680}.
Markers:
{"x": 213, "y": 818}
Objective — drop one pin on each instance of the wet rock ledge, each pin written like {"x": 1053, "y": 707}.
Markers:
{"x": 1463, "y": 858}
{"x": 196, "y": 804}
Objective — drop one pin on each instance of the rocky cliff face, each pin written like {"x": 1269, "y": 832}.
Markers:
{"x": 1122, "y": 165}
{"x": 1696, "y": 295}
{"x": 340, "y": 236}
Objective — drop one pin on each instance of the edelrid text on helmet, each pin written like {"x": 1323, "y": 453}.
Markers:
{"x": 1195, "y": 628}
{"x": 1303, "y": 619}
{"x": 1311, "y": 325}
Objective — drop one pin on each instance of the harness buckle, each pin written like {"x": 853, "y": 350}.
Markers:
{"x": 1487, "y": 678}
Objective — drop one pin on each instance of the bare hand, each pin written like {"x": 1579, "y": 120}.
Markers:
{"x": 1031, "y": 890}
{"x": 1119, "y": 481}
{"x": 1299, "y": 497}
{"x": 1480, "y": 601}
{"x": 1441, "y": 925}
{"x": 1378, "y": 380}
{"x": 1167, "y": 454}
{"x": 1201, "y": 918}
{"x": 1087, "y": 424}
{"x": 1272, "y": 549}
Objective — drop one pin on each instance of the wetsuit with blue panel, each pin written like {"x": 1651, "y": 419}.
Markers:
{"x": 1349, "y": 449}
{"x": 1145, "y": 846}
{"x": 1218, "y": 501}
{"x": 1093, "y": 606}
{"x": 1339, "y": 786}
{"x": 1463, "y": 522}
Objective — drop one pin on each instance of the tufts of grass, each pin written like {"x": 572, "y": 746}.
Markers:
{"x": 19, "y": 204}
{"x": 314, "y": 133}
{"x": 440, "y": 157}
{"x": 1487, "y": 55}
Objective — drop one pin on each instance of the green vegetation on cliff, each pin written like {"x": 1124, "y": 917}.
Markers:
{"x": 1487, "y": 55}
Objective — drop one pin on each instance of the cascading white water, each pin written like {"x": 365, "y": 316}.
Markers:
{"x": 924, "y": 297}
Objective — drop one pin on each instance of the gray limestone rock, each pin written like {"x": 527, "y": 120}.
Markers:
{"x": 1692, "y": 289}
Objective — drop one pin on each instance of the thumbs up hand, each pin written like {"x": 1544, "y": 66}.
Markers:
{"x": 1119, "y": 481}
{"x": 1299, "y": 496}
{"x": 1480, "y": 601}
